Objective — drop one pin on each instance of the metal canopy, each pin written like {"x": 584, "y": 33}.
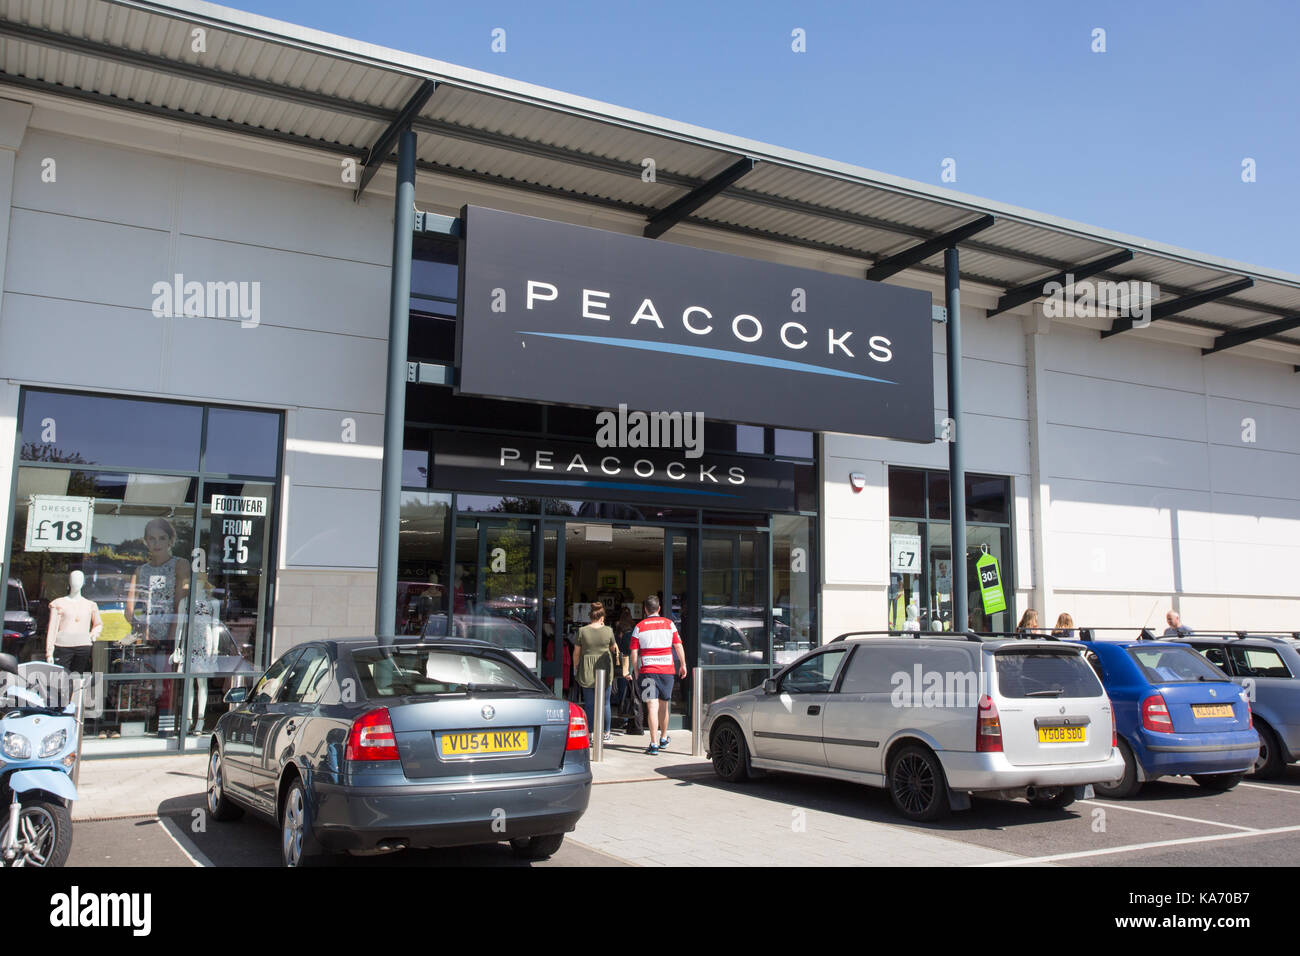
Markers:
{"x": 300, "y": 87}
{"x": 1230, "y": 340}
{"x": 924, "y": 250}
{"x": 1034, "y": 290}
{"x": 1164, "y": 310}
{"x": 383, "y": 147}
{"x": 663, "y": 221}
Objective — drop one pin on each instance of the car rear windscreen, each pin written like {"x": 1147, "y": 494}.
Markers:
{"x": 401, "y": 671}
{"x": 1027, "y": 672}
{"x": 1174, "y": 664}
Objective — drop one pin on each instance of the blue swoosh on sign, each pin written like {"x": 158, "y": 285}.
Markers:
{"x": 720, "y": 355}
{"x": 578, "y": 483}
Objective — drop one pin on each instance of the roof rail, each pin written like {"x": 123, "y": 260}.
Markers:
{"x": 965, "y": 635}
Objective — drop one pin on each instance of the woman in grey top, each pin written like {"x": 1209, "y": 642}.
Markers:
{"x": 595, "y": 651}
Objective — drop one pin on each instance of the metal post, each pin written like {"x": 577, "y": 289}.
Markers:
{"x": 399, "y": 311}
{"x": 956, "y": 464}
{"x": 697, "y": 712}
{"x": 598, "y": 718}
{"x": 81, "y": 728}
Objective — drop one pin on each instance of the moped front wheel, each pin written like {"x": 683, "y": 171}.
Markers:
{"x": 44, "y": 834}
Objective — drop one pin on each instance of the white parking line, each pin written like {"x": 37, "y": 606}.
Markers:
{"x": 1171, "y": 816}
{"x": 1260, "y": 786}
{"x": 197, "y": 856}
{"x": 1132, "y": 847}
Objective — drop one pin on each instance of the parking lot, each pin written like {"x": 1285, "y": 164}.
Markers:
{"x": 671, "y": 810}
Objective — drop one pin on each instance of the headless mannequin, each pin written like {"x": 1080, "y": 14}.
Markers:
{"x": 74, "y": 626}
{"x": 202, "y": 646}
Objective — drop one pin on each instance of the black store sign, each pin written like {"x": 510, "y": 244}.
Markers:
{"x": 572, "y": 315}
{"x": 522, "y": 467}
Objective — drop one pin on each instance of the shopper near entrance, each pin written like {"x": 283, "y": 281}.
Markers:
{"x": 595, "y": 653}
{"x": 655, "y": 643}
{"x": 1176, "y": 626}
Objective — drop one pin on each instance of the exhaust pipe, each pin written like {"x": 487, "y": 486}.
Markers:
{"x": 1031, "y": 792}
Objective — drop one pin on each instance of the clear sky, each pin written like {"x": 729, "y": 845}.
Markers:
{"x": 1148, "y": 137}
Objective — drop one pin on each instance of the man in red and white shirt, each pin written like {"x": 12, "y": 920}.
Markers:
{"x": 655, "y": 644}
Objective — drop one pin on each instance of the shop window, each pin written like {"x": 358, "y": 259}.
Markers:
{"x": 177, "y": 564}
{"x": 66, "y": 428}
{"x": 431, "y": 339}
{"x": 242, "y": 442}
{"x": 434, "y": 271}
{"x": 920, "y": 591}
{"x": 906, "y": 493}
{"x": 792, "y": 444}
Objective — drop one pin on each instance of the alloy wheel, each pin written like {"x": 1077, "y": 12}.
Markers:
{"x": 293, "y": 817}
{"x": 914, "y": 783}
{"x": 214, "y": 783}
{"x": 727, "y": 755}
{"x": 36, "y": 833}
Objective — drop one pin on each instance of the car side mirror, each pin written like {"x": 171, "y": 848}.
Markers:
{"x": 769, "y": 686}
{"x": 236, "y": 695}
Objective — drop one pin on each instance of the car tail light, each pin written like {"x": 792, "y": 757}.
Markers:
{"x": 1114, "y": 733}
{"x": 578, "y": 737}
{"x": 371, "y": 737}
{"x": 1155, "y": 715}
{"x": 988, "y": 738}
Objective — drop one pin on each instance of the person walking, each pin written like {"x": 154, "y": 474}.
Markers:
{"x": 655, "y": 644}
{"x": 595, "y": 652}
{"x": 1176, "y": 626}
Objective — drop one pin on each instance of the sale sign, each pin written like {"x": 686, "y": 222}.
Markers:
{"x": 237, "y": 531}
{"x": 59, "y": 523}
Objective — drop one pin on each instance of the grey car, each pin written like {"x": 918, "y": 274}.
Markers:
{"x": 933, "y": 720}
{"x": 1269, "y": 670}
{"x": 354, "y": 745}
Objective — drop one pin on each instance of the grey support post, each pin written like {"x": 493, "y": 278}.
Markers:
{"x": 956, "y": 463}
{"x": 399, "y": 308}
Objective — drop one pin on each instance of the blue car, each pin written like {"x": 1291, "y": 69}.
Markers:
{"x": 1175, "y": 714}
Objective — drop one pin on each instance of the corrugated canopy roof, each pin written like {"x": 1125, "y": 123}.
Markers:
{"x": 271, "y": 79}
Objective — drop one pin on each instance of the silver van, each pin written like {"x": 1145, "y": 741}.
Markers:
{"x": 932, "y": 719}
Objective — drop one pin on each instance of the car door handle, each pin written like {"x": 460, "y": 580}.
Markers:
{"x": 814, "y": 709}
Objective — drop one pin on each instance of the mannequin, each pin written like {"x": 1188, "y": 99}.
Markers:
{"x": 912, "y": 624}
{"x": 75, "y": 624}
{"x": 202, "y": 643}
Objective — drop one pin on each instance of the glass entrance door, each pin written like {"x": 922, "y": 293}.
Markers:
{"x": 496, "y": 597}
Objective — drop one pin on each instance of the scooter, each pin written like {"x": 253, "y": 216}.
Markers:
{"x": 38, "y": 753}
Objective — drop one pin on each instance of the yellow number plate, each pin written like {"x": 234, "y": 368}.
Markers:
{"x": 1211, "y": 710}
{"x": 1062, "y": 735}
{"x": 473, "y": 743}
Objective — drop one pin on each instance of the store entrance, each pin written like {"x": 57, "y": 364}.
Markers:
{"x": 619, "y": 566}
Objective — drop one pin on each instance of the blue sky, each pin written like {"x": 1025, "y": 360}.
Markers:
{"x": 1146, "y": 138}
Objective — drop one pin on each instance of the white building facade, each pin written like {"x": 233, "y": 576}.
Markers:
{"x": 1117, "y": 477}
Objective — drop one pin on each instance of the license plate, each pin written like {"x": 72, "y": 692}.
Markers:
{"x": 473, "y": 743}
{"x": 1211, "y": 710}
{"x": 1062, "y": 735}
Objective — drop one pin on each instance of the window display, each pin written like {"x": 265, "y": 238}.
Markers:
{"x": 174, "y": 566}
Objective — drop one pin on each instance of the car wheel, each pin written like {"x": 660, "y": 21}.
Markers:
{"x": 298, "y": 846}
{"x": 1269, "y": 764}
{"x": 1053, "y": 798}
{"x": 220, "y": 806}
{"x": 1218, "y": 782}
{"x": 1127, "y": 785}
{"x": 44, "y": 834}
{"x": 729, "y": 752}
{"x": 917, "y": 784}
{"x": 538, "y": 847}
